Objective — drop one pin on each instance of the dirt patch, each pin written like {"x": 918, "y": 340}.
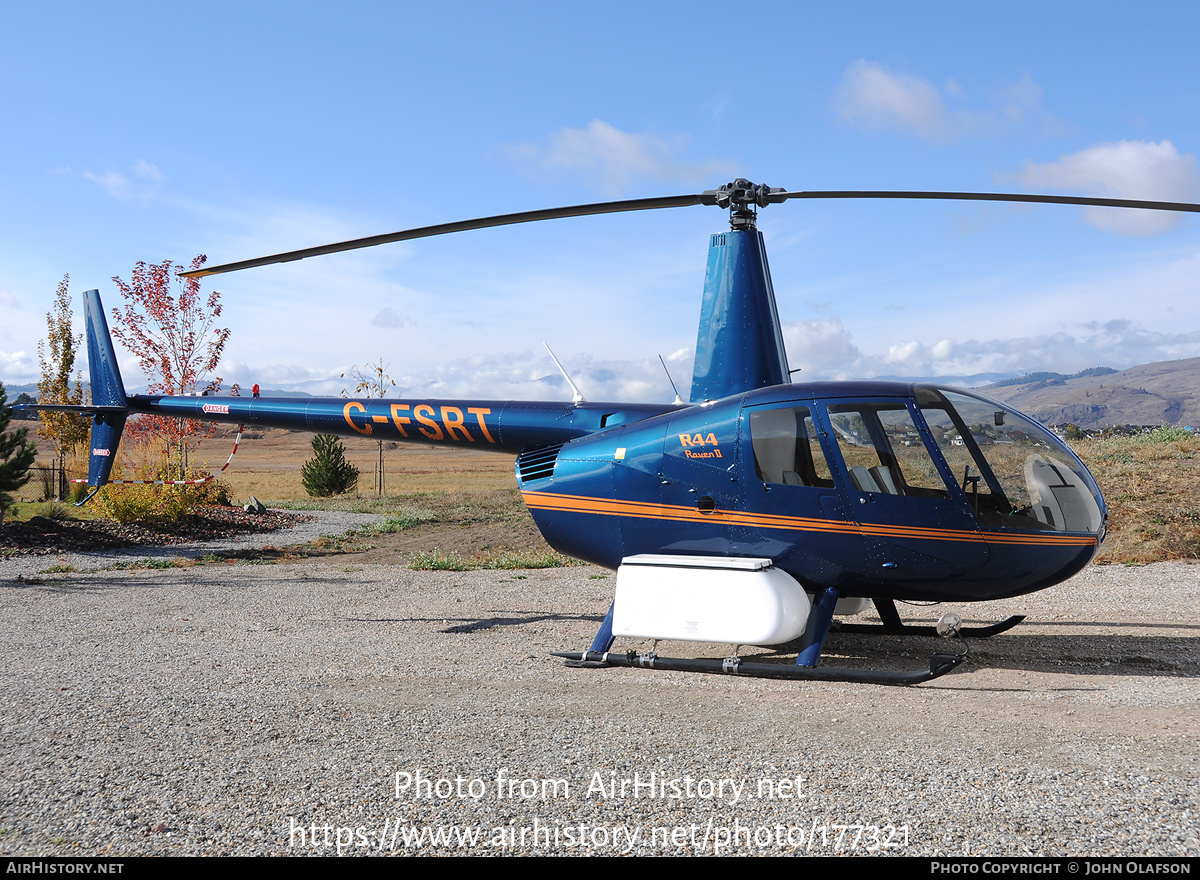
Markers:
{"x": 465, "y": 525}
{"x": 468, "y": 541}
{"x": 41, "y": 536}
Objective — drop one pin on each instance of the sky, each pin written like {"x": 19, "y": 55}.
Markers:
{"x": 151, "y": 132}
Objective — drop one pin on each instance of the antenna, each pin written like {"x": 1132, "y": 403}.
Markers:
{"x": 678, "y": 401}
{"x": 578, "y": 396}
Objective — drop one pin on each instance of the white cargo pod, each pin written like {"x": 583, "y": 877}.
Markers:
{"x": 739, "y": 601}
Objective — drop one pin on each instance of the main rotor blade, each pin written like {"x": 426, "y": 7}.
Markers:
{"x": 710, "y": 197}
{"x": 988, "y": 197}
{"x": 461, "y": 226}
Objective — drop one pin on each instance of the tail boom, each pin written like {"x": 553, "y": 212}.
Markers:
{"x": 495, "y": 425}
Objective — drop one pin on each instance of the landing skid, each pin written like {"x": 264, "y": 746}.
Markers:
{"x": 811, "y": 643}
{"x": 893, "y": 625}
{"x": 939, "y": 664}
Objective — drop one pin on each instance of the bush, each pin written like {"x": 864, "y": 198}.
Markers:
{"x": 435, "y": 560}
{"x": 53, "y": 510}
{"x": 212, "y": 493}
{"x": 518, "y": 560}
{"x": 147, "y": 505}
{"x": 1170, "y": 434}
{"x": 328, "y": 472}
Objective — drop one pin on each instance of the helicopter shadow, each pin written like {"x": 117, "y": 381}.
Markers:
{"x": 1079, "y": 653}
{"x": 468, "y": 625}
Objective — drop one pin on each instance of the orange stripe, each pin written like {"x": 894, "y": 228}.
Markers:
{"x": 677, "y": 513}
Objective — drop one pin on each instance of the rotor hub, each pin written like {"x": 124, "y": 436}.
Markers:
{"x": 743, "y": 198}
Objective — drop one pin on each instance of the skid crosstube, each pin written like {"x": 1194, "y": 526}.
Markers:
{"x": 893, "y": 626}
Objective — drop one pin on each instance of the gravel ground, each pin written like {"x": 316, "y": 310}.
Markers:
{"x": 268, "y": 709}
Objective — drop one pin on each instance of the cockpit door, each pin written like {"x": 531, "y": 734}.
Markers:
{"x": 916, "y": 521}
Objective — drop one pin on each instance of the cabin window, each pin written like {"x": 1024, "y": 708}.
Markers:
{"x": 786, "y": 449}
{"x": 1025, "y": 477}
{"x": 883, "y": 451}
{"x": 951, "y": 439}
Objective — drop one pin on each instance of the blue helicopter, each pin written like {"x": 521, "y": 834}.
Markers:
{"x": 760, "y": 509}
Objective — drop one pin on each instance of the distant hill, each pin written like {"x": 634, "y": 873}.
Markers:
{"x": 1167, "y": 393}
{"x": 1055, "y": 378}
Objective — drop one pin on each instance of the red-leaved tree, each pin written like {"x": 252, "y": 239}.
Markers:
{"x": 171, "y": 328}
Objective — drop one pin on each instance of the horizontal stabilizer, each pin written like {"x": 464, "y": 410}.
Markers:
{"x": 71, "y": 408}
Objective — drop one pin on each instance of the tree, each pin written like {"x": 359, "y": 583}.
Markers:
{"x": 25, "y": 415}
{"x": 67, "y": 430}
{"x": 175, "y": 339}
{"x": 328, "y": 472}
{"x": 16, "y": 455}
{"x": 373, "y": 381}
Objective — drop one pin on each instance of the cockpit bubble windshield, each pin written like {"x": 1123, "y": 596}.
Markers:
{"x": 1016, "y": 472}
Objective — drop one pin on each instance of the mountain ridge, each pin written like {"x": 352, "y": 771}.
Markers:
{"x": 1161, "y": 393}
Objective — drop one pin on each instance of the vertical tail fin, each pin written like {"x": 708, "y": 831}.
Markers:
{"x": 107, "y": 392}
{"x": 740, "y": 343}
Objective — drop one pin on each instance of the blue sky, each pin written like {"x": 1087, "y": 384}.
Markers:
{"x": 160, "y": 131}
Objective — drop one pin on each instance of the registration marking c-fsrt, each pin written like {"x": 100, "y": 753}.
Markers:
{"x": 450, "y": 423}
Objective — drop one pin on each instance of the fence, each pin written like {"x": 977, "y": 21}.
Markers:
{"x": 46, "y": 482}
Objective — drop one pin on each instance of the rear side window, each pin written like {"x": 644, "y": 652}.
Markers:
{"x": 786, "y": 449}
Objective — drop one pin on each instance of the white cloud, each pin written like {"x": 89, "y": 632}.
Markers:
{"x": 119, "y": 186}
{"x": 18, "y": 368}
{"x": 826, "y": 351}
{"x": 873, "y": 97}
{"x": 499, "y": 376}
{"x": 610, "y": 159}
{"x": 148, "y": 171}
{"x": 529, "y": 376}
{"x": 112, "y": 182}
{"x": 1021, "y": 100}
{"x": 819, "y": 347}
{"x": 1125, "y": 170}
{"x": 388, "y": 318}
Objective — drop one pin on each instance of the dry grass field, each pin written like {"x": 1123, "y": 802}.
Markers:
{"x": 267, "y": 465}
{"x": 1152, "y": 486}
{"x": 446, "y": 500}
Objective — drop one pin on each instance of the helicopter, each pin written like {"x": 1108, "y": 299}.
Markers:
{"x": 761, "y": 508}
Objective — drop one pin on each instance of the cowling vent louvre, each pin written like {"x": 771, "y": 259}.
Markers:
{"x": 537, "y": 463}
